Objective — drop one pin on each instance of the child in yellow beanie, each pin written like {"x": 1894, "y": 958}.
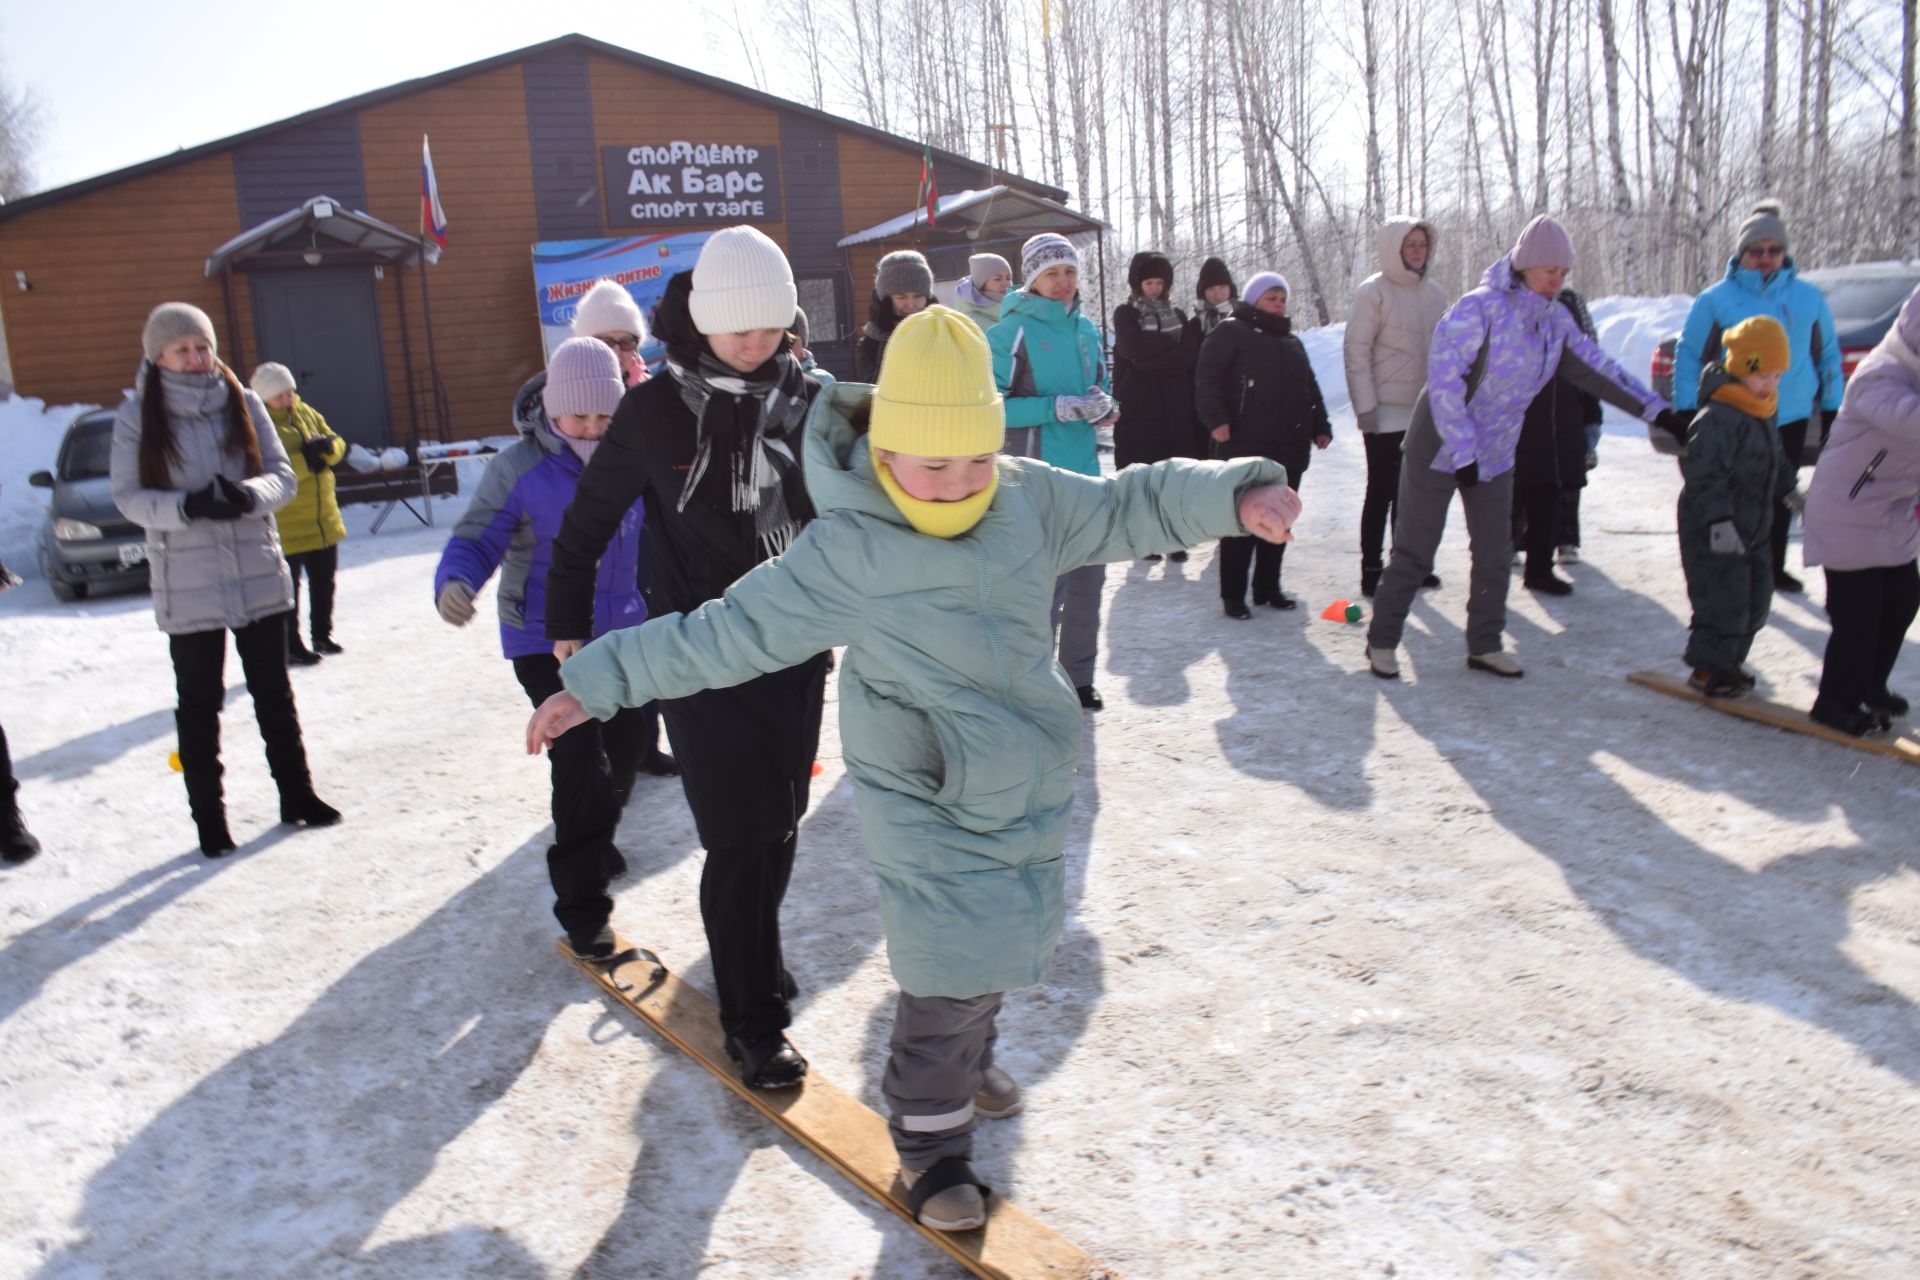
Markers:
{"x": 1735, "y": 472}
{"x": 933, "y": 561}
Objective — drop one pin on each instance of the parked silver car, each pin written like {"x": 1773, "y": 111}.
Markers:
{"x": 87, "y": 544}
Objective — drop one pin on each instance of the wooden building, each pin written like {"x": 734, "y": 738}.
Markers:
{"x": 527, "y": 147}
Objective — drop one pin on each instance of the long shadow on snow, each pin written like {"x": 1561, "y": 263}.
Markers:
{"x": 33, "y": 958}
{"x": 696, "y": 1134}
{"x": 1281, "y": 685}
{"x": 316, "y": 1136}
{"x": 80, "y": 756}
{"x": 1532, "y": 751}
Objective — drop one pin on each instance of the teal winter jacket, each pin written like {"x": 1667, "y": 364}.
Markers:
{"x": 1809, "y": 383}
{"x": 960, "y": 730}
{"x": 1043, "y": 349}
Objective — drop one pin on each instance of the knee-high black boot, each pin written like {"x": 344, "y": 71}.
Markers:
{"x": 199, "y": 734}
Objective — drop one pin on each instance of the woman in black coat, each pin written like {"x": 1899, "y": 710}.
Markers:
{"x": 1256, "y": 393}
{"x": 1153, "y": 353}
{"x": 723, "y": 491}
{"x": 1550, "y": 466}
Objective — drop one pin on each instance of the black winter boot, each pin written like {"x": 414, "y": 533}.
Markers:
{"x": 287, "y": 762}
{"x": 16, "y": 842}
{"x": 200, "y": 768}
{"x": 769, "y": 1062}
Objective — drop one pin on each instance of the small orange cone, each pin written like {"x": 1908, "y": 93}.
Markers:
{"x": 173, "y": 762}
{"x": 817, "y": 770}
{"x": 1337, "y": 611}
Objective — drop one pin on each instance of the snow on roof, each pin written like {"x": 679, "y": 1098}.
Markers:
{"x": 1003, "y": 207}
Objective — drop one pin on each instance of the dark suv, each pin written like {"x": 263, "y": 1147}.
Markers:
{"x": 87, "y": 543}
{"x": 1865, "y": 298}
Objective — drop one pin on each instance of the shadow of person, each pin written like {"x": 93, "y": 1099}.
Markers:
{"x": 466, "y": 1251}
{"x": 1769, "y": 936}
{"x": 77, "y": 757}
{"x": 1150, "y": 637}
{"x": 342, "y": 1114}
{"x": 33, "y": 958}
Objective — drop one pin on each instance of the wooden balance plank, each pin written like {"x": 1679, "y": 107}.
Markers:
{"x": 1012, "y": 1245}
{"x": 1901, "y": 746}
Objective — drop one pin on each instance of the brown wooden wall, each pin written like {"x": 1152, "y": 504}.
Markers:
{"x": 485, "y": 327}
{"x": 876, "y": 183}
{"x": 99, "y": 263}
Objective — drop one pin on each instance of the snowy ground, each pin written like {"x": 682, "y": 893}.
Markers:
{"x": 1454, "y": 977}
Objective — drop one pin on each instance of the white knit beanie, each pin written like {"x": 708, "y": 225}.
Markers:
{"x": 1048, "y": 249}
{"x": 742, "y": 281}
{"x": 1263, "y": 281}
{"x": 271, "y": 379}
{"x": 608, "y": 308}
{"x": 583, "y": 377}
{"x": 171, "y": 321}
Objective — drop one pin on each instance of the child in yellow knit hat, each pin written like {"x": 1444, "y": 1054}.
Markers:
{"x": 933, "y": 561}
{"x": 1735, "y": 473}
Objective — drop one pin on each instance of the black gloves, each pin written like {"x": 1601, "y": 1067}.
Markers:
{"x": 1668, "y": 432}
{"x": 224, "y": 499}
{"x": 1469, "y": 475}
{"x": 315, "y": 450}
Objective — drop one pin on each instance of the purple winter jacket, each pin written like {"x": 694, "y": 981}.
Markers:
{"x": 511, "y": 523}
{"x": 1860, "y": 504}
{"x": 1527, "y": 339}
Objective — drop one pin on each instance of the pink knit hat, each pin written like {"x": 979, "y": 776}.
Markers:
{"x": 583, "y": 377}
{"x": 1544, "y": 243}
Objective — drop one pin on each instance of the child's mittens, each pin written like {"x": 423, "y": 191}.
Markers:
{"x": 455, "y": 602}
{"x": 1668, "y": 433}
{"x": 1722, "y": 540}
{"x": 1269, "y": 512}
{"x": 1095, "y": 406}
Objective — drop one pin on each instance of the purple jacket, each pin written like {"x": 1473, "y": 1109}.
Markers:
{"x": 1860, "y": 505}
{"x": 1527, "y": 338}
{"x": 511, "y": 523}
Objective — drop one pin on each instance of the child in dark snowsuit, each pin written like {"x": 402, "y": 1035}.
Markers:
{"x": 1735, "y": 473}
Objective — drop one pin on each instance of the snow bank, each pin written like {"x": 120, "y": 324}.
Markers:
{"x": 30, "y": 434}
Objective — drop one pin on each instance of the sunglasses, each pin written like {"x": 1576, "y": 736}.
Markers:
{"x": 626, "y": 346}
{"x": 1765, "y": 251}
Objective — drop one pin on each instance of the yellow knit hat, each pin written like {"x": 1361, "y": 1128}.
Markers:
{"x": 1757, "y": 345}
{"x": 936, "y": 397}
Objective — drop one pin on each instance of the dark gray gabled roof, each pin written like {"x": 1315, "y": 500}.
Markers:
{"x": 283, "y": 241}
{"x": 405, "y": 88}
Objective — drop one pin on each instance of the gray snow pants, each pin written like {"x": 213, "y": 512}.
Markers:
{"x": 941, "y": 1046}
{"x": 1076, "y": 620}
{"x": 1420, "y": 517}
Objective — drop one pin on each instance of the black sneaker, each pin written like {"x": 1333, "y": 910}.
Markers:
{"x": 326, "y": 647}
{"x": 1716, "y": 684}
{"x": 660, "y": 765}
{"x": 1550, "y": 584}
{"x": 598, "y": 948}
{"x": 1855, "y": 721}
{"x": 17, "y": 844}
{"x": 301, "y": 656}
{"x": 1178, "y": 557}
{"x": 1236, "y": 609}
{"x": 1150, "y": 558}
{"x": 1431, "y": 582}
{"x": 1090, "y": 698}
{"x": 1784, "y": 581}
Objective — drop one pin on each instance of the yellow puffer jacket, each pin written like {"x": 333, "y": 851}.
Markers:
{"x": 311, "y": 522}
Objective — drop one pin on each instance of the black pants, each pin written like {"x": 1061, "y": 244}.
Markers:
{"x": 592, "y": 766}
{"x": 1536, "y": 523}
{"x": 319, "y": 567}
{"x": 1871, "y": 610}
{"x": 1383, "y": 485}
{"x": 1793, "y": 443}
{"x": 199, "y": 663}
{"x": 9, "y": 785}
{"x": 1569, "y": 534}
{"x": 1236, "y": 554}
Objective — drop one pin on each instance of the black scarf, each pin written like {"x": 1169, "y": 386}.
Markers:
{"x": 1157, "y": 315}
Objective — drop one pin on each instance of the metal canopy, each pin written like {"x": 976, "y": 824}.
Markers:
{"x": 998, "y": 212}
{"x": 320, "y": 231}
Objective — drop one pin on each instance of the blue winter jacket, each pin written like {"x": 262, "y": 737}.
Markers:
{"x": 1043, "y": 349}
{"x": 511, "y": 523}
{"x": 1797, "y": 305}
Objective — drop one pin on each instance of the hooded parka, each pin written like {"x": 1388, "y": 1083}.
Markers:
{"x": 960, "y": 730}
{"x": 1861, "y": 503}
{"x": 311, "y": 522}
{"x": 207, "y": 574}
{"x": 1801, "y": 309}
{"x": 1390, "y": 329}
{"x": 1153, "y": 354}
{"x": 1255, "y": 377}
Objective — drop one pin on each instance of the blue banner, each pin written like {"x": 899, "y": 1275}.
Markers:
{"x": 564, "y": 270}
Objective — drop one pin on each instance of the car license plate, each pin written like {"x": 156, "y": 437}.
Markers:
{"x": 132, "y": 553}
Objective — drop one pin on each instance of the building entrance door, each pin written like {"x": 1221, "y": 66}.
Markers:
{"x": 324, "y": 325}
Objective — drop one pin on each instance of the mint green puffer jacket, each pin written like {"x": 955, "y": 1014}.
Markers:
{"x": 960, "y": 730}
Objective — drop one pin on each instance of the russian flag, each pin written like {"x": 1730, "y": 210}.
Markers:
{"x": 433, "y": 218}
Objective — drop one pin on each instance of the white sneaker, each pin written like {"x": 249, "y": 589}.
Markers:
{"x": 1497, "y": 663}
{"x": 1384, "y": 663}
{"x": 998, "y": 1096}
{"x": 958, "y": 1208}
{"x": 1570, "y": 554}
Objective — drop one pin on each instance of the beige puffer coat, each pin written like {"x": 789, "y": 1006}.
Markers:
{"x": 1390, "y": 328}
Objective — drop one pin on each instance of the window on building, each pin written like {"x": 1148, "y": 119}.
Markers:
{"x": 820, "y": 299}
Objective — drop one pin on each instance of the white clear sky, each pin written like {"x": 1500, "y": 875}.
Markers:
{"x": 120, "y": 82}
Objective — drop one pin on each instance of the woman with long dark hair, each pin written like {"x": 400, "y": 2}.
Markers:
{"x": 714, "y": 448}
{"x": 197, "y": 463}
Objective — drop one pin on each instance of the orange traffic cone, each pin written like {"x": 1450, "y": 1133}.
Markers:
{"x": 1341, "y": 611}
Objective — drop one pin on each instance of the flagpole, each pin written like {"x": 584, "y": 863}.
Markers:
{"x": 436, "y": 393}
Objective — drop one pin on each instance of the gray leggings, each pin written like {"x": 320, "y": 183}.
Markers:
{"x": 941, "y": 1046}
{"x": 1076, "y": 620}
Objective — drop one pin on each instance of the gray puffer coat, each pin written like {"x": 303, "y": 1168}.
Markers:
{"x": 207, "y": 574}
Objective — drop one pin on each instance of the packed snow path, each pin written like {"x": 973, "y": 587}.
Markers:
{"x": 1452, "y": 977}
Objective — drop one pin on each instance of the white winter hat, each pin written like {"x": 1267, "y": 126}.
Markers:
{"x": 171, "y": 321}
{"x": 742, "y": 281}
{"x": 271, "y": 379}
{"x": 608, "y": 308}
{"x": 1263, "y": 281}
